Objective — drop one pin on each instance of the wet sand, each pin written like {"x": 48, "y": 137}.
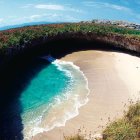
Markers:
{"x": 113, "y": 79}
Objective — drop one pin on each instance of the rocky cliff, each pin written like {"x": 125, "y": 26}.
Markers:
{"x": 63, "y": 38}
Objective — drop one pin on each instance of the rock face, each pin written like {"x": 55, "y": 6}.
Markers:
{"x": 117, "y": 41}
{"x": 73, "y": 39}
{"x": 61, "y": 44}
{"x": 109, "y": 41}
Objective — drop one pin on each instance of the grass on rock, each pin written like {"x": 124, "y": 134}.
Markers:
{"x": 127, "y": 128}
{"x": 20, "y": 36}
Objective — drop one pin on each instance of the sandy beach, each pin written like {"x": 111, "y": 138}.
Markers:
{"x": 113, "y": 79}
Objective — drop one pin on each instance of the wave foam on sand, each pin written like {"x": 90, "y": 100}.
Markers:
{"x": 64, "y": 106}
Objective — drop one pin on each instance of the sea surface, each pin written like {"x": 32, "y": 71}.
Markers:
{"x": 52, "y": 97}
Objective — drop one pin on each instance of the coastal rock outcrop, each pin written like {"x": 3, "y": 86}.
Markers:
{"x": 38, "y": 39}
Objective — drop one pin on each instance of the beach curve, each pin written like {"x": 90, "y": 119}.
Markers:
{"x": 63, "y": 107}
{"x": 109, "y": 91}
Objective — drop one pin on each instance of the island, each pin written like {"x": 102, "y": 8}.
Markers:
{"x": 108, "y": 55}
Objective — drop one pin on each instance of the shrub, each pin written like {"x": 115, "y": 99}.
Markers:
{"x": 127, "y": 128}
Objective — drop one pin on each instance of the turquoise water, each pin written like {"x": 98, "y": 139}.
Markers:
{"x": 44, "y": 87}
{"x": 52, "y": 97}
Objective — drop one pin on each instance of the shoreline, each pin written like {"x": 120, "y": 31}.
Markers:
{"x": 105, "y": 76}
{"x": 74, "y": 96}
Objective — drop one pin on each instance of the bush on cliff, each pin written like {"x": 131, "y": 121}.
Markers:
{"x": 127, "y": 128}
{"x": 20, "y": 36}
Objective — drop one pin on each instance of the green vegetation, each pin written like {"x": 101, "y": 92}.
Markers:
{"x": 76, "y": 137}
{"x": 20, "y": 36}
{"x": 127, "y": 128}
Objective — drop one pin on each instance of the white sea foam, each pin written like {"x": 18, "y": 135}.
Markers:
{"x": 65, "y": 106}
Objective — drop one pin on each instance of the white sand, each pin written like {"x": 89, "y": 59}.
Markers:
{"x": 113, "y": 79}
